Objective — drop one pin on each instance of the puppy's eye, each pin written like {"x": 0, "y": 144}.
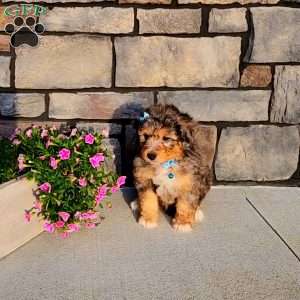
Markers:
{"x": 167, "y": 139}
{"x": 146, "y": 136}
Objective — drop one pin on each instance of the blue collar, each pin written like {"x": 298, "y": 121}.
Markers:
{"x": 171, "y": 163}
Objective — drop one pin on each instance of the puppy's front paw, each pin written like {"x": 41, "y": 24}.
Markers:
{"x": 147, "y": 224}
{"x": 182, "y": 227}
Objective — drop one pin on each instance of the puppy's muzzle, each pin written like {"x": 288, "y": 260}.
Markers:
{"x": 151, "y": 155}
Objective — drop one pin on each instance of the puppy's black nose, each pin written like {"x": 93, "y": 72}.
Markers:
{"x": 151, "y": 155}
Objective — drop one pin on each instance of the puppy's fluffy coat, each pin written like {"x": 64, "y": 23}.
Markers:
{"x": 169, "y": 135}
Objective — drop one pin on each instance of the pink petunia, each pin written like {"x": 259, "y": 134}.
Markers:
{"x": 64, "y": 215}
{"x": 114, "y": 189}
{"x": 77, "y": 215}
{"x": 21, "y": 161}
{"x": 45, "y": 187}
{"x": 53, "y": 163}
{"x": 43, "y": 157}
{"x": 92, "y": 216}
{"x": 121, "y": 181}
{"x": 96, "y": 160}
{"x": 90, "y": 225}
{"x": 82, "y": 182}
{"x": 16, "y": 142}
{"x": 65, "y": 235}
{"x": 29, "y": 133}
{"x": 64, "y": 154}
{"x": 101, "y": 193}
{"x": 44, "y": 133}
{"x": 73, "y": 227}
{"x": 59, "y": 224}
{"x": 37, "y": 205}
{"x": 89, "y": 139}
{"x": 27, "y": 216}
{"x": 49, "y": 227}
{"x": 88, "y": 216}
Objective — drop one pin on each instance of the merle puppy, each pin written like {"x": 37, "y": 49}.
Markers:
{"x": 171, "y": 169}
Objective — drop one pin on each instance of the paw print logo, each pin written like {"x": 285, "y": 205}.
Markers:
{"x": 24, "y": 32}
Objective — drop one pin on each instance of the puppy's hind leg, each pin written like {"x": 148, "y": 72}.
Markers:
{"x": 149, "y": 208}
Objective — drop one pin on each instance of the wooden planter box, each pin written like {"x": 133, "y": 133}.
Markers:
{"x": 15, "y": 197}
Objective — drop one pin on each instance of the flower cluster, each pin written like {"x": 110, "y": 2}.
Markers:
{"x": 72, "y": 177}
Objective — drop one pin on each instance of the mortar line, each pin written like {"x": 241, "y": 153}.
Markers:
{"x": 273, "y": 229}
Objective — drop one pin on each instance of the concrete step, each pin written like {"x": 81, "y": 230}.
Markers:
{"x": 232, "y": 254}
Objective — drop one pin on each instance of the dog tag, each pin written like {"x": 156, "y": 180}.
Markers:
{"x": 171, "y": 175}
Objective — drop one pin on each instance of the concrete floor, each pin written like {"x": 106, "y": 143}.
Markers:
{"x": 247, "y": 247}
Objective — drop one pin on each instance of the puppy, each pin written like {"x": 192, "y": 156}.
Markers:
{"x": 170, "y": 170}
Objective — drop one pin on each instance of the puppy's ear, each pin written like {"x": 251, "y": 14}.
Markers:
{"x": 185, "y": 130}
{"x": 156, "y": 111}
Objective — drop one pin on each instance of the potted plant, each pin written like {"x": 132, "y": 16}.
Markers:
{"x": 71, "y": 174}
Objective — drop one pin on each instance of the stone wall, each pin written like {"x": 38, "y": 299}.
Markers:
{"x": 232, "y": 65}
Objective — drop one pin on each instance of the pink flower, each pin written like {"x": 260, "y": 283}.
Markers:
{"x": 73, "y": 227}
{"x": 77, "y": 215}
{"x": 59, "y": 224}
{"x": 82, "y": 182}
{"x": 37, "y": 205}
{"x": 64, "y": 154}
{"x": 114, "y": 189}
{"x": 29, "y": 133}
{"x": 64, "y": 215}
{"x": 16, "y": 142}
{"x": 49, "y": 227}
{"x": 93, "y": 216}
{"x": 27, "y": 216}
{"x": 43, "y": 157}
{"x": 121, "y": 181}
{"x": 88, "y": 216}
{"x": 105, "y": 132}
{"x": 89, "y": 139}
{"x": 45, "y": 187}
{"x": 73, "y": 132}
{"x": 53, "y": 163}
{"x": 96, "y": 160}
{"x": 44, "y": 133}
{"x": 65, "y": 235}
{"x": 21, "y": 161}
{"x": 90, "y": 225}
{"x": 16, "y": 132}
{"x": 101, "y": 194}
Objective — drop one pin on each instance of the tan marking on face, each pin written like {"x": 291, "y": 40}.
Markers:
{"x": 161, "y": 142}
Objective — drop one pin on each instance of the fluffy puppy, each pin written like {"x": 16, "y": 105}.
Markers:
{"x": 170, "y": 170}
